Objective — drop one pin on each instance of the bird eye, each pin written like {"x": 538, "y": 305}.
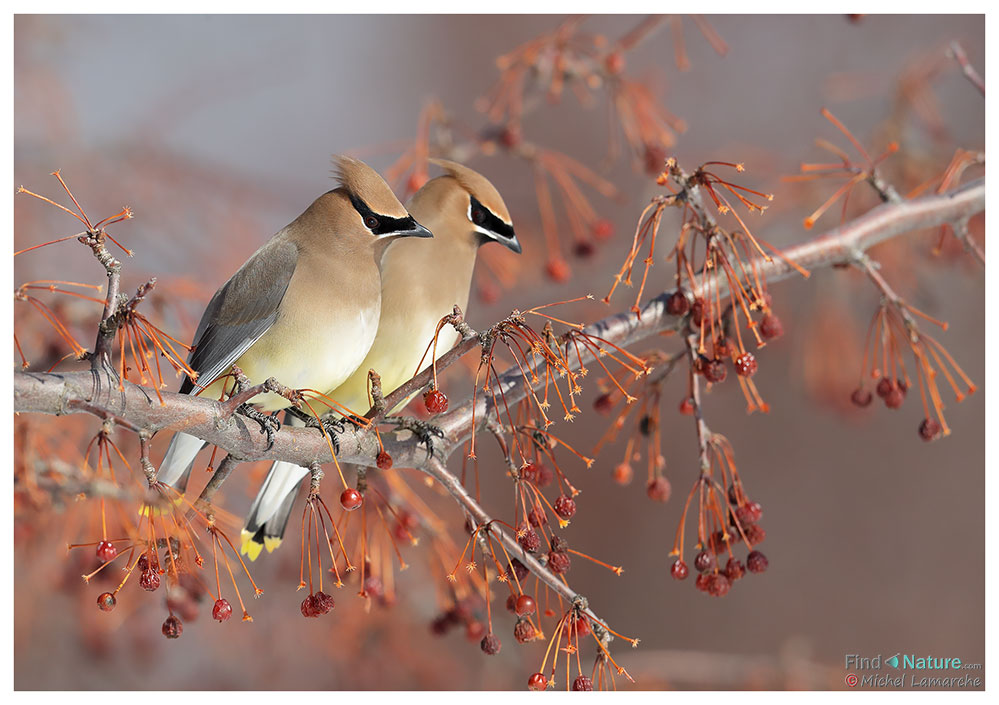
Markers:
{"x": 371, "y": 222}
{"x": 478, "y": 216}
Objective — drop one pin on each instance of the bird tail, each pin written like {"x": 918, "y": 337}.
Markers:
{"x": 175, "y": 470}
{"x": 268, "y": 516}
{"x": 271, "y": 508}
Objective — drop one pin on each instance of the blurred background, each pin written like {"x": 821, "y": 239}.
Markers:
{"x": 218, "y": 131}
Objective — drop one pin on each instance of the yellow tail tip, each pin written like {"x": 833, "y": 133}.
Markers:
{"x": 271, "y": 543}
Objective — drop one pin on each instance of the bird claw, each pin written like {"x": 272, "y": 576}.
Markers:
{"x": 332, "y": 427}
{"x": 423, "y": 430}
{"x": 268, "y": 424}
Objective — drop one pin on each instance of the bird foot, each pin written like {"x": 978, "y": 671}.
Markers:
{"x": 268, "y": 424}
{"x": 425, "y": 432}
{"x": 330, "y": 426}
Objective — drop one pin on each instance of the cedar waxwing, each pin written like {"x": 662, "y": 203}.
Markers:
{"x": 304, "y": 308}
{"x": 421, "y": 283}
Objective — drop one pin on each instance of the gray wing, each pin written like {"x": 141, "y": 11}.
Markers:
{"x": 241, "y": 311}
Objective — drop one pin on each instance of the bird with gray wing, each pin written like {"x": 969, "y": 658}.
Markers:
{"x": 304, "y": 308}
{"x": 421, "y": 283}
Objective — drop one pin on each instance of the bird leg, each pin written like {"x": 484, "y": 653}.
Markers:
{"x": 269, "y": 425}
{"x": 424, "y": 431}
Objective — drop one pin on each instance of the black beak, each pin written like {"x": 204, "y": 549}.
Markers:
{"x": 512, "y": 243}
{"x": 414, "y": 230}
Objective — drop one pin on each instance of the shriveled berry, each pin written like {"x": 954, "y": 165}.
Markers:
{"x": 222, "y": 610}
{"x": 718, "y": 585}
{"x": 523, "y": 631}
{"x": 309, "y": 607}
{"x": 687, "y": 407}
{"x": 697, "y": 312}
{"x": 149, "y": 579}
{"x": 351, "y": 499}
{"x": 704, "y": 562}
{"x": 715, "y": 371}
{"x": 861, "y": 397}
{"x": 734, "y": 569}
{"x": 582, "y": 683}
{"x": 537, "y": 681}
{"x": 490, "y": 644}
{"x": 623, "y": 474}
{"x": 383, "y": 460}
{"x": 511, "y": 603}
{"x": 106, "y": 551}
{"x": 435, "y": 400}
{"x": 565, "y": 506}
{"x": 323, "y": 603}
{"x": 543, "y": 475}
{"x": 604, "y": 403}
{"x": 929, "y": 429}
{"x": 749, "y": 513}
{"x": 525, "y": 605}
{"x": 536, "y": 517}
{"x": 719, "y": 541}
{"x": 756, "y": 562}
{"x": 143, "y": 563}
{"x": 646, "y": 425}
{"x": 679, "y": 570}
{"x": 754, "y": 533}
{"x": 519, "y": 569}
{"x": 106, "y": 601}
{"x": 441, "y": 624}
{"x": 172, "y": 627}
{"x": 583, "y": 249}
{"x": 528, "y": 538}
{"x": 373, "y": 587}
{"x": 659, "y": 489}
{"x": 771, "y": 327}
{"x": 883, "y": 387}
{"x": 558, "y": 562}
{"x": 702, "y": 581}
{"x": 745, "y": 365}
{"x": 895, "y": 397}
{"x": 559, "y": 544}
{"x": 677, "y": 304}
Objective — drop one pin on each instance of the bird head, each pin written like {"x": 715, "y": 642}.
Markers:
{"x": 377, "y": 209}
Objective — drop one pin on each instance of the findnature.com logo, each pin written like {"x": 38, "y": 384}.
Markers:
{"x": 914, "y": 663}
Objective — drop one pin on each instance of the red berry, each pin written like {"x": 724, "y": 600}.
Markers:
{"x": 623, "y": 474}
{"x": 745, "y": 365}
{"x": 509, "y": 137}
{"x": 756, "y": 562}
{"x": 490, "y": 644}
{"x": 172, "y": 627}
{"x": 511, "y": 603}
{"x": 415, "y": 182}
{"x": 383, "y": 461}
{"x": 704, "y": 562}
{"x": 558, "y": 562}
{"x": 754, "y": 534}
{"x": 604, "y": 404}
{"x": 677, "y": 304}
{"x": 749, "y": 513}
{"x": 655, "y": 159}
{"x": 771, "y": 327}
{"x": 715, "y": 371}
{"x": 702, "y": 582}
{"x": 351, "y": 499}
{"x": 929, "y": 429}
{"x": 565, "y": 506}
{"x": 603, "y": 229}
{"x": 149, "y": 579}
{"x": 678, "y": 570}
{"x": 895, "y": 397}
{"x": 222, "y": 610}
{"x": 543, "y": 475}
{"x": 659, "y": 489}
{"x": 106, "y": 551}
{"x": 583, "y": 249}
{"x": 558, "y": 270}
{"x": 884, "y": 387}
{"x": 528, "y": 538}
{"x": 525, "y": 605}
{"x": 687, "y": 407}
{"x": 523, "y": 631}
{"x": 106, "y": 601}
{"x": 582, "y": 683}
{"x": 537, "y": 681}
{"x": 435, "y": 400}
{"x": 519, "y": 569}
{"x": 861, "y": 397}
{"x": 474, "y": 630}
